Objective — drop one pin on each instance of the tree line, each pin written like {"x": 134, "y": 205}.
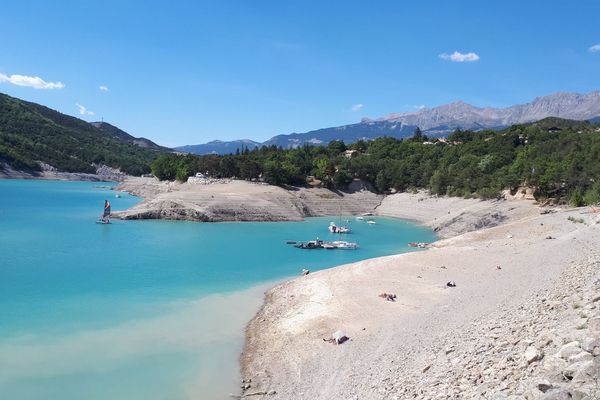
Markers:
{"x": 559, "y": 158}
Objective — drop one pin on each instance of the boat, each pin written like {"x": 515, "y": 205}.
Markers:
{"x": 343, "y": 245}
{"x": 371, "y": 222}
{"x": 105, "y": 217}
{"x": 360, "y": 218}
{"x": 321, "y": 244}
{"x": 333, "y": 228}
{"x": 310, "y": 245}
{"x": 420, "y": 245}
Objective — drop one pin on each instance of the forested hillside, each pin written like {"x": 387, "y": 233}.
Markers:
{"x": 30, "y": 133}
{"x": 559, "y": 158}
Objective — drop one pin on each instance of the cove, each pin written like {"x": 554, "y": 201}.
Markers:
{"x": 143, "y": 309}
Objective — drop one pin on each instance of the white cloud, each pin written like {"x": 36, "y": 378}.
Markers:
{"x": 103, "y": 88}
{"x": 357, "y": 107}
{"x": 595, "y": 48}
{"x": 83, "y": 110}
{"x": 420, "y": 106}
{"x": 459, "y": 57}
{"x": 30, "y": 81}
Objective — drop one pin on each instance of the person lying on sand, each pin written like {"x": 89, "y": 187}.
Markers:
{"x": 388, "y": 296}
{"x": 337, "y": 337}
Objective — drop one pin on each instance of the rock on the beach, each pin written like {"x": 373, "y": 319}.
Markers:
{"x": 569, "y": 350}
{"x": 532, "y": 354}
{"x": 586, "y": 371}
{"x": 582, "y": 356}
{"x": 554, "y": 364}
{"x": 544, "y": 385}
{"x": 591, "y": 345}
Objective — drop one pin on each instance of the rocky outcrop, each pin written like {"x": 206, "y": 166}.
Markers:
{"x": 232, "y": 200}
{"x": 103, "y": 174}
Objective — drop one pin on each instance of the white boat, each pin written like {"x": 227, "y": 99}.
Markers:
{"x": 371, "y": 222}
{"x": 333, "y": 228}
{"x": 343, "y": 245}
{"x": 360, "y": 218}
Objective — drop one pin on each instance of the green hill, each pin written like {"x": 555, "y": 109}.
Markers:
{"x": 31, "y": 133}
{"x": 122, "y": 135}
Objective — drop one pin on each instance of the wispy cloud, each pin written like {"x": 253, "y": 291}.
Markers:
{"x": 595, "y": 48}
{"x": 103, "y": 88}
{"x": 459, "y": 57}
{"x": 30, "y": 81}
{"x": 357, "y": 107}
{"x": 83, "y": 110}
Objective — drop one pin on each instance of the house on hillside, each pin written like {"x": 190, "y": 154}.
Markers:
{"x": 350, "y": 153}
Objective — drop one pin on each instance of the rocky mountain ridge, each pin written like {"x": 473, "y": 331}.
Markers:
{"x": 437, "y": 121}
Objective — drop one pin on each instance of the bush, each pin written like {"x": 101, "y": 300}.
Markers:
{"x": 576, "y": 198}
{"x": 592, "y": 195}
{"x": 488, "y": 193}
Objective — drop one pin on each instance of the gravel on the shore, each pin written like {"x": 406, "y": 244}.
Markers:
{"x": 521, "y": 323}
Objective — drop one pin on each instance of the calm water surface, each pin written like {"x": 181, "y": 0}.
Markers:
{"x": 141, "y": 309}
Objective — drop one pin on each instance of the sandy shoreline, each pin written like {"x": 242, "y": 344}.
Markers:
{"x": 498, "y": 253}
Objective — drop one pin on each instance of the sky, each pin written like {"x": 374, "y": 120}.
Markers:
{"x": 187, "y": 72}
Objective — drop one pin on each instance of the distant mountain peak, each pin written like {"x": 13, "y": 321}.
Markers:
{"x": 441, "y": 120}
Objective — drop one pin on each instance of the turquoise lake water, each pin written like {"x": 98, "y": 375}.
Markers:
{"x": 142, "y": 309}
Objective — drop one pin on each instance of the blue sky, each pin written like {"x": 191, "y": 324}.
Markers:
{"x": 188, "y": 72}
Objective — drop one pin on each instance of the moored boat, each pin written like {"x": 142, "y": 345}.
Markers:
{"x": 310, "y": 245}
{"x": 333, "y": 228}
{"x": 343, "y": 245}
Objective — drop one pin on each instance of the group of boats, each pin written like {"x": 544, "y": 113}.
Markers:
{"x": 333, "y": 244}
{"x": 327, "y": 245}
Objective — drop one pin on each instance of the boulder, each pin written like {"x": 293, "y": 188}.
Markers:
{"x": 543, "y": 385}
{"x": 583, "y": 370}
{"x": 586, "y": 371}
{"x": 532, "y": 354}
{"x": 569, "y": 350}
{"x": 554, "y": 364}
{"x": 589, "y": 344}
{"x": 581, "y": 356}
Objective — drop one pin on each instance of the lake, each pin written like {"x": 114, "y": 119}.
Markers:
{"x": 143, "y": 309}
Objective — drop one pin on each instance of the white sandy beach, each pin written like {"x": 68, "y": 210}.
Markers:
{"x": 507, "y": 260}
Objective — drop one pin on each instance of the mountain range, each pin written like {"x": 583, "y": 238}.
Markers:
{"x": 437, "y": 121}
